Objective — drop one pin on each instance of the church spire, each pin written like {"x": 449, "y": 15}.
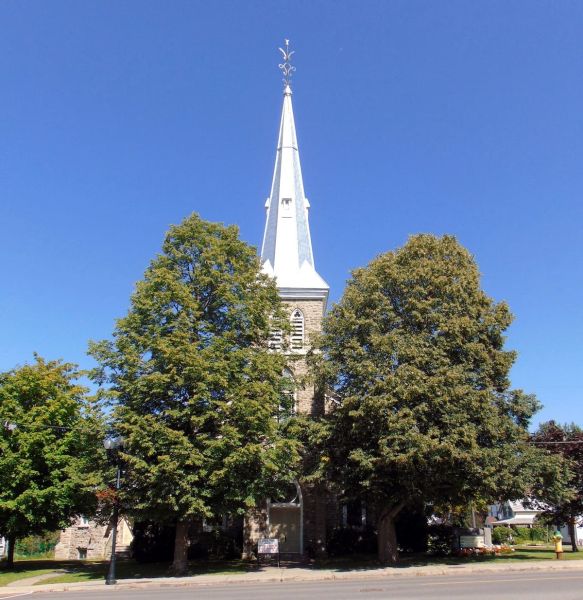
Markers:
{"x": 286, "y": 252}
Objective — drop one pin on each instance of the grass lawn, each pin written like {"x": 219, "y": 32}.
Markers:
{"x": 78, "y": 571}
{"x": 20, "y": 572}
{"x": 129, "y": 569}
{"x": 521, "y": 554}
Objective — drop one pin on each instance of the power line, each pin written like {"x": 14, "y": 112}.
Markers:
{"x": 561, "y": 442}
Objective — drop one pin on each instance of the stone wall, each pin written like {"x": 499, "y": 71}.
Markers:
{"x": 254, "y": 527}
{"x": 311, "y": 402}
{"x": 308, "y": 401}
{"x": 92, "y": 541}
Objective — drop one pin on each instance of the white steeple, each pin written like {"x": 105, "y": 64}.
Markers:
{"x": 286, "y": 253}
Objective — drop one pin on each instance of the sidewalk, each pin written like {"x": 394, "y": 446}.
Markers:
{"x": 32, "y": 581}
{"x": 274, "y": 575}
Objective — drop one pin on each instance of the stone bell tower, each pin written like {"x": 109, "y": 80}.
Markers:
{"x": 286, "y": 252}
{"x": 298, "y": 518}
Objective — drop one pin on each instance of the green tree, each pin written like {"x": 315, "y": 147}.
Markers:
{"x": 565, "y": 441}
{"x": 414, "y": 351}
{"x": 50, "y": 449}
{"x": 197, "y": 390}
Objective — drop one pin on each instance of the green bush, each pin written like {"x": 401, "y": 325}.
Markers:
{"x": 502, "y": 535}
{"x": 412, "y": 530}
{"x": 539, "y": 533}
{"x": 152, "y": 542}
{"x": 345, "y": 540}
{"x": 216, "y": 544}
{"x": 440, "y": 540}
{"x": 37, "y": 545}
{"x": 522, "y": 534}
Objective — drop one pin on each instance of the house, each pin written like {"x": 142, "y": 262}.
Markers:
{"x": 578, "y": 532}
{"x": 512, "y": 513}
{"x": 86, "y": 539}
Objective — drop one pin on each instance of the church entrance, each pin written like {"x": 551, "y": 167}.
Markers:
{"x": 285, "y": 516}
{"x": 285, "y": 525}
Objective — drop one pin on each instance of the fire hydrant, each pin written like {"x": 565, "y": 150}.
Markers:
{"x": 558, "y": 539}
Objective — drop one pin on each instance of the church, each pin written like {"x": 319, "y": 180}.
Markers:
{"x": 303, "y": 517}
{"x": 300, "y": 519}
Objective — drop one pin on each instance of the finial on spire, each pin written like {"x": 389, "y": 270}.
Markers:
{"x": 286, "y": 67}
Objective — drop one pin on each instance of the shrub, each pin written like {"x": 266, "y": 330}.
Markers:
{"x": 412, "y": 530}
{"x": 440, "y": 539}
{"x": 501, "y": 535}
{"x": 152, "y": 542}
{"x": 539, "y": 533}
{"x": 216, "y": 544}
{"x": 155, "y": 543}
{"x": 522, "y": 534}
{"x": 37, "y": 545}
{"x": 345, "y": 540}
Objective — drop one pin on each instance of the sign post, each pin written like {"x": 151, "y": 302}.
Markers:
{"x": 269, "y": 547}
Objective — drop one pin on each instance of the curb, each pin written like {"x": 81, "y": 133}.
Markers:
{"x": 290, "y": 575}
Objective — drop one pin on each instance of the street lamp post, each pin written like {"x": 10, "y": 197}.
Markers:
{"x": 113, "y": 444}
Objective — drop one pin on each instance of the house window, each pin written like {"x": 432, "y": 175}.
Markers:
{"x": 297, "y": 329}
{"x": 81, "y": 553}
{"x": 286, "y": 204}
{"x": 354, "y": 514}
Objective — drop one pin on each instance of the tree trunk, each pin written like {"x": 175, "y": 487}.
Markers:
{"x": 573, "y": 534}
{"x": 10, "y": 555}
{"x": 387, "y": 537}
{"x": 180, "y": 562}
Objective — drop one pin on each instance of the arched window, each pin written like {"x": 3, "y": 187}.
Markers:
{"x": 297, "y": 330}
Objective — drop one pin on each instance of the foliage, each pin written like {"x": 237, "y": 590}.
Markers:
{"x": 519, "y": 535}
{"x": 152, "y": 542}
{"x": 217, "y": 545}
{"x": 412, "y": 529}
{"x": 538, "y": 533}
{"x": 440, "y": 539}
{"x": 502, "y": 535}
{"x": 50, "y": 463}
{"x": 415, "y": 352}
{"x": 344, "y": 541}
{"x": 566, "y": 443}
{"x": 197, "y": 391}
{"x": 37, "y": 545}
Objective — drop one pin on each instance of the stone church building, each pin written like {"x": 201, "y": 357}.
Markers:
{"x": 300, "y": 519}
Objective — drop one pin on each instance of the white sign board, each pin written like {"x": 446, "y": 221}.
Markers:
{"x": 471, "y": 541}
{"x": 268, "y": 546}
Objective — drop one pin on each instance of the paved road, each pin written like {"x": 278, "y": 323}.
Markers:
{"x": 502, "y": 586}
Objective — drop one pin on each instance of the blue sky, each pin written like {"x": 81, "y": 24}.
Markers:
{"x": 120, "y": 118}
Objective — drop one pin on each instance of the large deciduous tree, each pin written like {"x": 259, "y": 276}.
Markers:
{"x": 565, "y": 441}
{"x": 50, "y": 449}
{"x": 196, "y": 388}
{"x": 415, "y": 353}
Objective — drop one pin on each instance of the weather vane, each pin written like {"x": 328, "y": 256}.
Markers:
{"x": 286, "y": 67}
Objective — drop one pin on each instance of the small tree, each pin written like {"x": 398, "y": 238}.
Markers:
{"x": 50, "y": 450}
{"x": 414, "y": 351}
{"x": 565, "y": 441}
{"x": 196, "y": 388}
